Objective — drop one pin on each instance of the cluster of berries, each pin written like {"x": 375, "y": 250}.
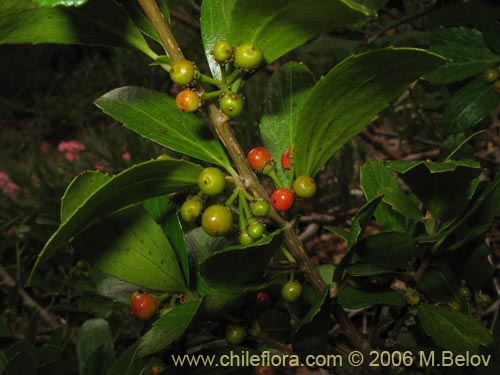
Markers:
{"x": 244, "y": 58}
{"x": 493, "y": 76}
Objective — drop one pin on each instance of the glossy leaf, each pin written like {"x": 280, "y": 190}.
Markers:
{"x": 236, "y": 266}
{"x": 453, "y": 330}
{"x": 352, "y": 298}
{"x": 469, "y": 105}
{"x": 377, "y": 180}
{"x": 348, "y": 97}
{"x": 93, "y": 336}
{"x": 214, "y": 21}
{"x": 283, "y": 26}
{"x": 133, "y": 185}
{"x": 53, "y": 3}
{"x": 445, "y": 188}
{"x": 101, "y": 22}
{"x": 155, "y": 116}
{"x": 286, "y": 90}
{"x": 168, "y": 328}
{"x": 131, "y": 246}
{"x": 468, "y": 53}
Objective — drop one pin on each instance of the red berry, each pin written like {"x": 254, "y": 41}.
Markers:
{"x": 143, "y": 305}
{"x": 187, "y": 101}
{"x": 286, "y": 162}
{"x": 263, "y": 301}
{"x": 264, "y": 370}
{"x": 258, "y": 158}
{"x": 282, "y": 199}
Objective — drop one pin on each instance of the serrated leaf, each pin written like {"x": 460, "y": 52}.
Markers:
{"x": 79, "y": 190}
{"x": 445, "y": 188}
{"x": 453, "y": 330}
{"x": 377, "y": 180}
{"x": 469, "y": 105}
{"x": 468, "y": 53}
{"x": 214, "y": 21}
{"x": 233, "y": 267}
{"x": 286, "y": 90}
{"x": 101, "y": 22}
{"x": 278, "y": 27}
{"x": 168, "y": 328}
{"x": 155, "y": 116}
{"x": 94, "y": 335}
{"x": 131, "y": 246}
{"x": 133, "y": 185}
{"x": 390, "y": 250}
{"x": 352, "y": 298}
{"x": 348, "y": 97}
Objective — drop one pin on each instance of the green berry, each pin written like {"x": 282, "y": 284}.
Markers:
{"x": 259, "y": 208}
{"x": 211, "y": 181}
{"x": 183, "y": 72}
{"x": 490, "y": 75}
{"x": 412, "y": 297}
{"x": 484, "y": 300}
{"x": 244, "y": 239}
{"x": 464, "y": 293}
{"x": 232, "y": 104}
{"x": 235, "y": 334}
{"x": 248, "y": 56}
{"x": 222, "y": 51}
{"x": 291, "y": 291}
{"x": 191, "y": 209}
{"x": 256, "y": 229}
{"x": 217, "y": 220}
{"x": 496, "y": 86}
{"x": 304, "y": 187}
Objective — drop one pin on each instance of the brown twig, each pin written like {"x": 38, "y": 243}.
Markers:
{"x": 28, "y": 300}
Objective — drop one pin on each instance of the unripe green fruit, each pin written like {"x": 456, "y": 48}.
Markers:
{"x": 232, "y": 104}
{"x": 259, "y": 208}
{"x": 191, "y": 209}
{"x": 248, "y": 56}
{"x": 490, "y": 75}
{"x": 211, "y": 181}
{"x": 484, "y": 300}
{"x": 182, "y": 72}
{"x": 217, "y": 220}
{"x": 464, "y": 293}
{"x": 412, "y": 297}
{"x": 245, "y": 239}
{"x": 291, "y": 291}
{"x": 256, "y": 229}
{"x": 496, "y": 86}
{"x": 222, "y": 51}
{"x": 235, "y": 334}
{"x": 304, "y": 187}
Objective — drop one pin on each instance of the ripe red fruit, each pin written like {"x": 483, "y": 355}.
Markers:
{"x": 187, "y": 101}
{"x": 143, "y": 305}
{"x": 264, "y": 370}
{"x": 263, "y": 301}
{"x": 282, "y": 199}
{"x": 258, "y": 158}
{"x": 286, "y": 162}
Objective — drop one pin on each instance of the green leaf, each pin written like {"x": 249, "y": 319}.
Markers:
{"x": 445, "y": 188}
{"x": 476, "y": 269}
{"x": 93, "y": 336}
{"x": 111, "y": 287}
{"x": 319, "y": 301}
{"x": 20, "y": 358}
{"x": 390, "y": 250}
{"x": 130, "y": 245}
{"x": 133, "y": 185}
{"x": 214, "y": 21}
{"x": 439, "y": 285}
{"x": 453, "y": 330}
{"x": 468, "y": 53}
{"x": 278, "y": 27}
{"x": 79, "y": 190}
{"x": 155, "y": 116}
{"x": 168, "y": 328}
{"x": 469, "y": 105}
{"x": 348, "y": 97}
{"x": 53, "y": 3}
{"x": 491, "y": 31}
{"x": 352, "y": 298}
{"x": 139, "y": 18}
{"x": 367, "y": 6}
{"x": 286, "y": 90}
{"x": 377, "y": 180}
{"x": 101, "y": 22}
{"x": 129, "y": 362}
{"x": 367, "y": 269}
{"x": 232, "y": 267}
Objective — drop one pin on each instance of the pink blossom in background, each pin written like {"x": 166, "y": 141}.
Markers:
{"x": 71, "y": 149}
{"x": 126, "y": 156}
{"x": 98, "y": 165}
{"x": 8, "y": 187}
